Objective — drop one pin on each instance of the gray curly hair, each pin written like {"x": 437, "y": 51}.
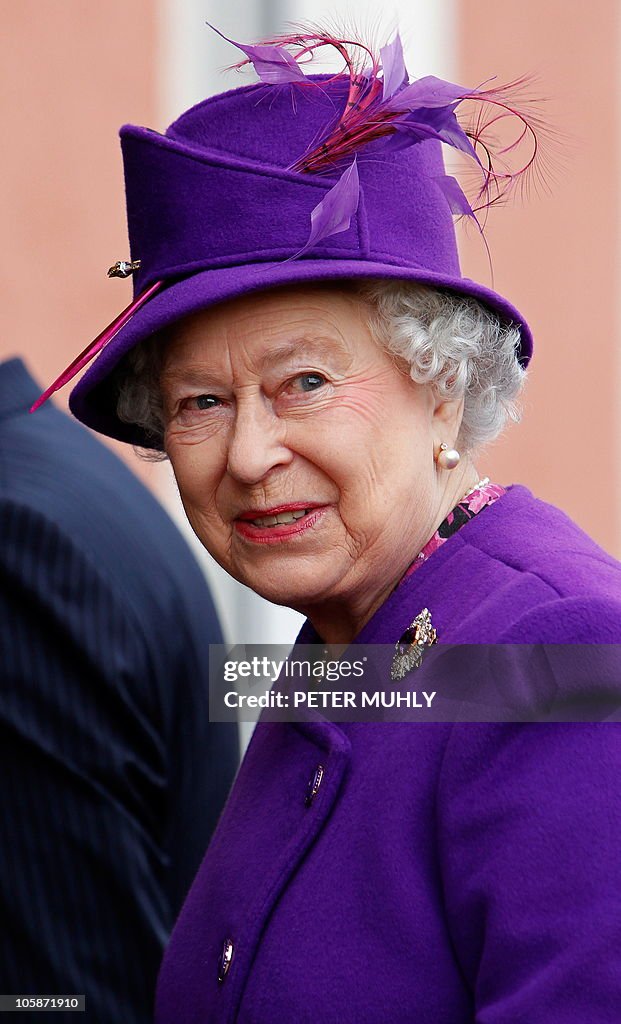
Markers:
{"x": 449, "y": 341}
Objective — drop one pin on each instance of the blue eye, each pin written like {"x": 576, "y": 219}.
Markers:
{"x": 311, "y": 381}
{"x": 206, "y": 401}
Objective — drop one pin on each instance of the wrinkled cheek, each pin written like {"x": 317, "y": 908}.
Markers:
{"x": 213, "y": 533}
{"x": 197, "y": 490}
{"x": 360, "y": 475}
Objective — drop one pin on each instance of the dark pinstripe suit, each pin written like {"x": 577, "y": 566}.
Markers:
{"x": 110, "y": 777}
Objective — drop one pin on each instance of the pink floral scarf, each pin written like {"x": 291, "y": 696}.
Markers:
{"x": 482, "y": 495}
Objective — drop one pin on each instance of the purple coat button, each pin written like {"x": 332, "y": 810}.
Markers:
{"x": 313, "y": 785}
{"x": 225, "y": 959}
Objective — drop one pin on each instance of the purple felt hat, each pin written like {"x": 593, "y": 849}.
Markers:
{"x": 218, "y": 207}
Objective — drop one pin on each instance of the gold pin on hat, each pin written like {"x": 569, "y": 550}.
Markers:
{"x": 411, "y": 645}
{"x": 123, "y": 268}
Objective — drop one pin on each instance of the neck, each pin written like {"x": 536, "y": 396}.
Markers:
{"x": 340, "y": 621}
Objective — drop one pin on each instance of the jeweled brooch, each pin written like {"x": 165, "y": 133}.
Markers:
{"x": 123, "y": 268}
{"x": 410, "y": 647}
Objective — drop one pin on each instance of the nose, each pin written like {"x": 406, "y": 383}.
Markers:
{"x": 257, "y": 440}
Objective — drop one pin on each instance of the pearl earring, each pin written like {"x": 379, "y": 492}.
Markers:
{"x": 447, "y": 458}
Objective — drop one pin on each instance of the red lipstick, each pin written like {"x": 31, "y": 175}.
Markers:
{"x": 278, "y": 532}
{"x": 294, "y": 506}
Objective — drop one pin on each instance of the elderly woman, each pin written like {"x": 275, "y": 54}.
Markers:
{"x": 303, "y": 348}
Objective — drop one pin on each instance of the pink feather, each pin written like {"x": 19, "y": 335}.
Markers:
{"x": 383, "y": 105}
{"x": 96, "y": 346}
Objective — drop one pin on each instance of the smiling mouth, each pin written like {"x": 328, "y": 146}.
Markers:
{"x": 280, "y": 524}
{"x": 280, "y": 519}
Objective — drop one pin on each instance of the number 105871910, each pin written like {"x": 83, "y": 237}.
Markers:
{"x": 57, "y": 1002}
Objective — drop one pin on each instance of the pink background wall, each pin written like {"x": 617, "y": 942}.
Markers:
{"x": 556, "y": 255}
{"x": 73, "y": 72}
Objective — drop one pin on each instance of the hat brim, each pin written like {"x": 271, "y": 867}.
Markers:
{"x": 93, "y": 399}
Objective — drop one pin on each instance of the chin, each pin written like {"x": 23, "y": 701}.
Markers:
{"x": 294, "y": 586}
{"x": 291, "y": 597}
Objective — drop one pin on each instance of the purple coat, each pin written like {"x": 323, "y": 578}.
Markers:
{"x": 442, "y": 873}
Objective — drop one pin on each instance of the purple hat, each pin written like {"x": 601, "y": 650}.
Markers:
{"x": 271, "y": 184}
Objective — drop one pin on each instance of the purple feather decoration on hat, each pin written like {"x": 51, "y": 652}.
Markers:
{"x": 384, "y": 107}
{"x": 273, "y": 64}
{"x": 452, "y": 192}
{"x": 393, "y": 66}
{"x": 333, "y": 214}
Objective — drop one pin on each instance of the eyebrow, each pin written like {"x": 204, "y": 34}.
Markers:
{"x": 194, "y": 373}
{"x": 200, "y": 374}
{"x": 301, "y": 347}
{"x": 174, "y": 381}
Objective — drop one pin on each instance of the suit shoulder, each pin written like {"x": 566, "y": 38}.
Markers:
{"x": 68, "y": 500}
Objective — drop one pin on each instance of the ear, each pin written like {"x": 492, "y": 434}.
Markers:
{"x": 447, "y": 416}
